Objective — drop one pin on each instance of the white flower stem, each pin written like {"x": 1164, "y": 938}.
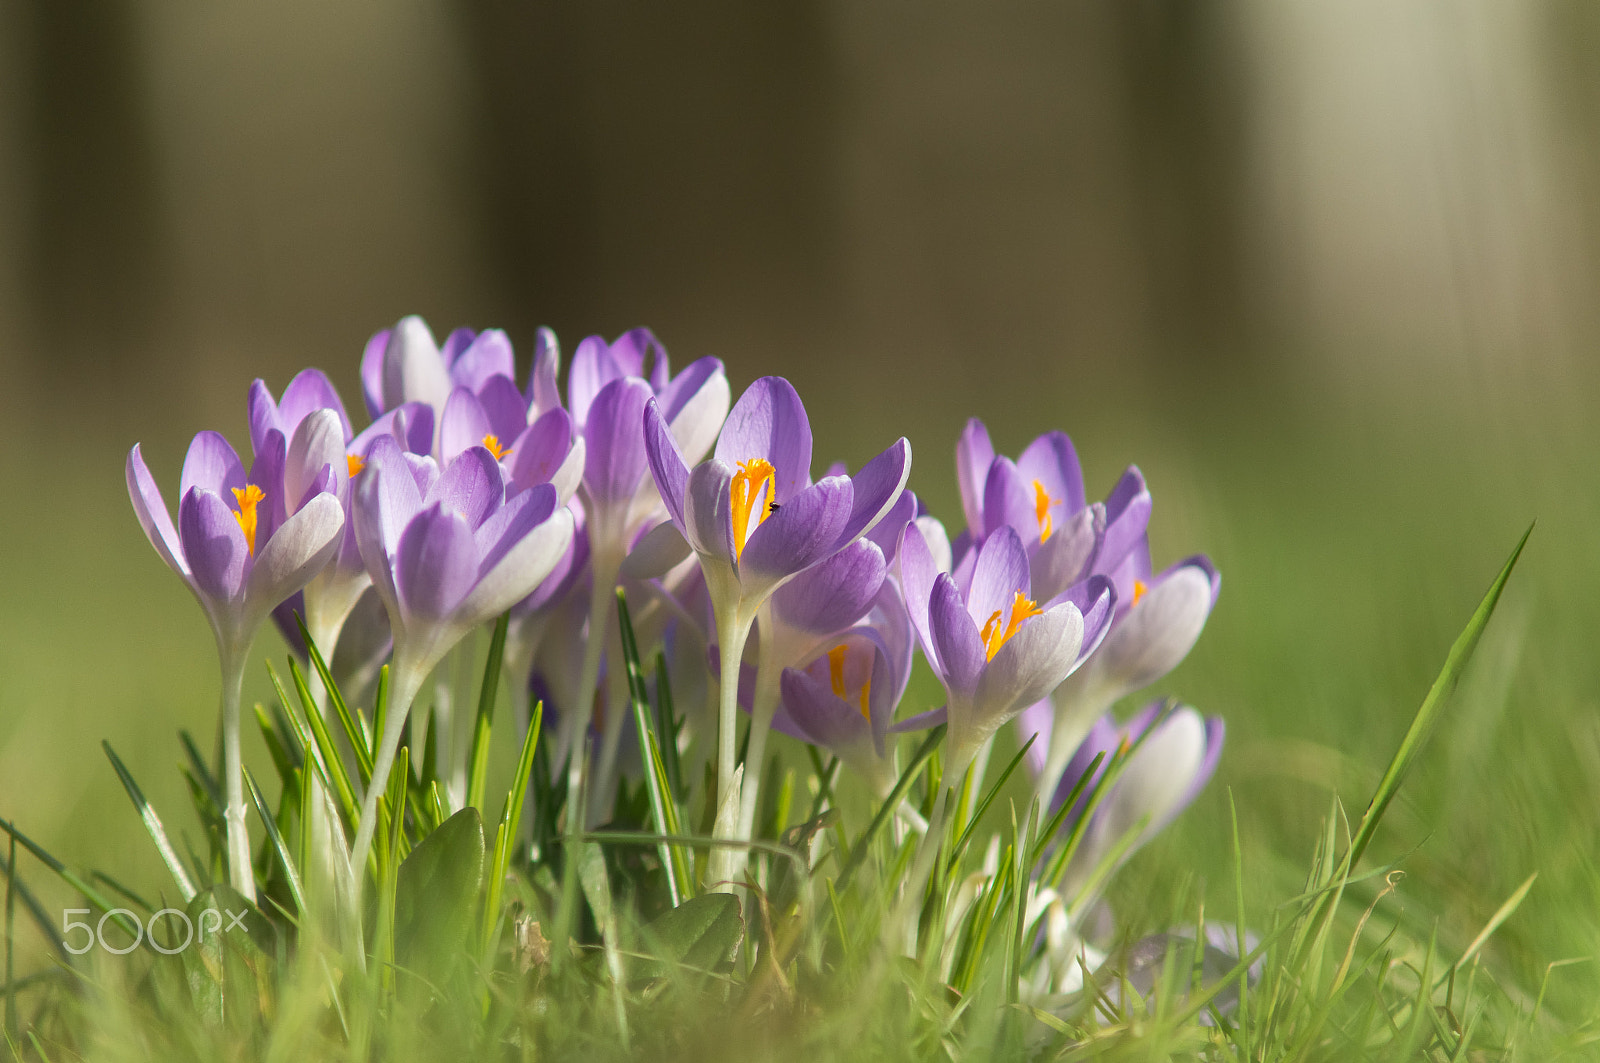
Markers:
{"x": 733, "y": 630}
{"x": 241, "y": 875}
{"x": 405, "y": 680}
{"x": 763, "y": 705}
{"x": 575, "y": 721}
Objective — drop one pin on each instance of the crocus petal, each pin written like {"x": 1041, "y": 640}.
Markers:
{"x": 454, "y": 344}
{"x": 616, "y": 457}
{"x": 413, "y": 370}
{"x": 318, "y": 443}
{"x": 310, "y": 390}
{"x": 471, "y": 485}
{"x": 1157, "y": 633}
{"x": 463, "y": 424}
{"x": 263, "y": 414}
{"x": 540, "y": 449}
{"x": 296, "y": 552}
{"x": 770, "y": 422}
{"x": 666, "y": 464}
{"x": 592, "y": 369}
{"x": 826, "y": 719}
{"x": 658, "y": 551}
{"x": 961, "y": 652}
{"x": 1052, "y": 461}
{"x": 1031, "y": 664}
{"x": 708, "y": 510}
{"x": 1127, "y": 518}
{"x": 798, "y": 535}
{"x": 695, "y": 405}
{"x": 542, "y": 393}
{"x": 212, "y": 465}
{"x": 386, "y": 498}
{"x": 637, "y": 346}
{"x": 1001, "y": 572}
{"x": 151, "y": 510}
{"x": 886, "y": 533}
{"x": 1096, "y": 601}
{"x": 487, "y": 356}
{"x": 266, "y": 472}
{"x": 520, "y": 571}
{"x": 833, "y": 595}
{"x": 917, "y": 574}
{"x": 504, "y": 405}
{"x": 213, "y": 544}
{"x": 437, "y": 563}
{"x": 876, "y": 488}
{"x": 1008, "y": 500}
{"x": 1155, "y": 784}
{"x": 1063, "y": 558}
{"x": 520, "y": 515}
{"x": 1036, "y": 722}
{"x": 1216, "y": 732}
{"x": 372, "y": 371}
{"x": 1101, "y": 741}
{"x": 974, "y": 455}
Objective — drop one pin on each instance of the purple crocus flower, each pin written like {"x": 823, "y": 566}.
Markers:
{"x": 1176, "y": 755}
{"x": 446, "y": 551}
{"x": 995, "y": 648}
{"x": 404, "y": 364}
{"x": 548, "y": 450}
{"x": 607, "y": 390}
{"x": 240, "y": 551}
{"x": 756, "y": 520}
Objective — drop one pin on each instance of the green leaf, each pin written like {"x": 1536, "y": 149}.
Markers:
{"x": 656, "y": 781}
{"x": 152, "y": 826}
{"x": 478, "y": 761}
{"x": 918, "y": 759}
{"x": 291, "y": 874}
{"x": 229, "y": 961}
{"x": 436, "y": 895}
{"x": 699, "y": 934}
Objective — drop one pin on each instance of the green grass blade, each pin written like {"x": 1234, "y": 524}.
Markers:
{"x": 988, "y": 799}
{"x": 202, "y": 771}
{"x": 325, "y": 754}
{"x": 669, "y": 727}
{"x": 152, "y": 826}
{"x": 290, "y": 873}
{"x": 482, "y": 728}
{"x": 358, "y": 741}
{"x": 1423, "y": 723}
{"x": 354, "y": 734}
{"x": 67, "y": 875}
{"x": 859, "y": 852}
{"x": 1500, "y": 916}
{"x": 510, "y": 824}
{"x": 654, "y": 784}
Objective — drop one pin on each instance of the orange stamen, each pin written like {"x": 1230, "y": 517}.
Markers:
{"x": 355, "y": 463}
{"x": 1041, "y": 509}
{"x": 836, "y": 668}
{"x": 249, "y": 497}
{"x": 866, "y": 693}
{"x": 1139, "y": 587}
{"x": 744, "y": 494}
{"x": 491, "y": 443}
{"x": 994, "y": 636}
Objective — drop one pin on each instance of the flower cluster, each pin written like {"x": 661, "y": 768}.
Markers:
{"x": 470, "y": 497}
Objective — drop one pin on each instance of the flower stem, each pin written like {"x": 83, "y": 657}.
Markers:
{"x": 733, "y": 630}
{"x": 405, "y": 680}
{"x": 763, "y": 705}
{"x": 241, "y": 875}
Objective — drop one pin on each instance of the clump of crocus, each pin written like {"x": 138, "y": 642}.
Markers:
{"x": 241, "y": 547}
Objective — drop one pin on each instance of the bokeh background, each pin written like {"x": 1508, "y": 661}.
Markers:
{"x": 1326, "y": 272}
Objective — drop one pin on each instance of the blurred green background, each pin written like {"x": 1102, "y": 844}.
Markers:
{"x": 1326, "y": 272}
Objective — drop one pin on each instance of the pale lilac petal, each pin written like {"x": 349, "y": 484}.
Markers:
{"x": 424, "y": 472}
{"x": 568, "y": 476}
{"x": 520, "y": 515}
{"x": 974, "y": 455}
{"x": 1096, "y": 601}
{"x": 708, "y": 510}
{"x": 472, "y": 485}
{"x": 592, "y": 369}
{"x": 454, "y": 344}
{"x": 1036, "y": 722}
{"x": 504, "y": 405}
{"x": 833, "y": 595}
{"x": 876, "y": 488}
{"x": 1067, "y": 555}
{"x": 211, "y": 465}
{"x": 213, "y": 544}
{"x": 413, "y": 369}
{"x": 770, "y": 422}
{"x": 1101, "y": 741}
{"x": 695, "y": 405}
{"x": 1000, "y": 573}
{"x": 1031, "y": 664}
{"x": 1127, "y": 518}
{"x": 917, "y": 573}
{"x": 310, "y": 390}
{"x": 658, "y": 551}
{"x": 318, "y": 443}
{"x": 1153, "y": 636}
{"x": 463, "y": 425}
{"x": 961, "y": 652}
{"x": 263, "y": 414}
{"x": 543, "y": 395}
{"x": 921, "y": 721}
{"x": 296, "y": 552}
{"x": 1216, "y": 732}
{"x": 633, "y": 349}
{"x": 804, "y": 531}
{"x": 151, "y": 510}
{"x": 520, "y": 571}
{"x": 1052, "y": 461}
{"x": 886, "y": 533}
{"x": 616, "y": 459}
{"x": 1008, "y": 501}
{"x": 372, "y": 371}
{"x": 437, "y": 563}
{"x": 562, "y": 578}
{"x": 892, "y": 624}
{"x": 667, "y": 466}
{"x": 385, "y": 498}
{"x": 266, "y": 472}
{"x": 540, "y": 450}
{"x": 825, "y": 718}
{"x": 938, "y": 542}
{"x": 486, "y": 357}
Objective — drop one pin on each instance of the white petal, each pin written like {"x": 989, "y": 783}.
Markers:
{"x": 297, "y": 551}
{"x": 318, "y": 441}
{"x": 662, "y": 549}
{"x": 1157, "y": 633}
{"x": 697, "y": 424}
{"x": 520, "y": 571}
{"x": 570, "y": 474}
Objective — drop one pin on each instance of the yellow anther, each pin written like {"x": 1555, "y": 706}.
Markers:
{"x": 1139, "y": 587}
{"x": 491, "y": 443}
{"x": 249, "y": 497}
{"x": 866, "y": 694}
{"x": 1041, "y": 509}
{"x": 744, "y": 496}
{"x": 355, "y": 463}
{"x": 994, "y": 636}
